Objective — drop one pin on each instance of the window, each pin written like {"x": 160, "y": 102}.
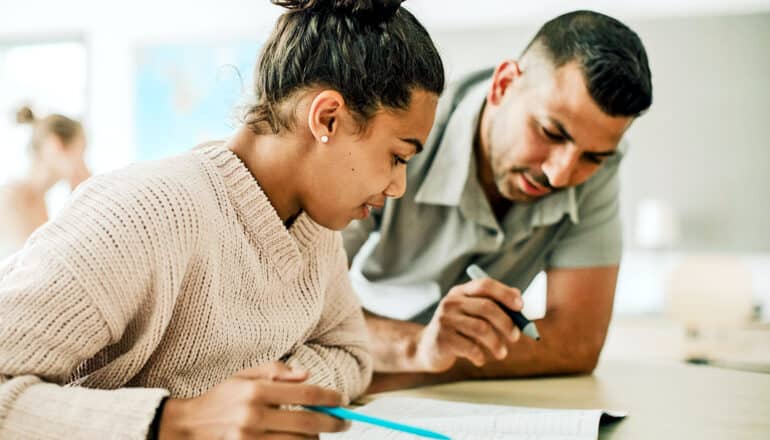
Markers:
{"x": 48, "y": 76}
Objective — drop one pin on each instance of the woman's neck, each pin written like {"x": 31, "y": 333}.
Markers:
{"x": 275, "y": 163}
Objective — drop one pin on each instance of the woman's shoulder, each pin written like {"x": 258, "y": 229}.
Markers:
{"x": 23, "y": 211}
{"x": 20, "y": 197}
{"x": 16, "y": 189}
{"x": 162, "y": 188}
{"x": 181, "y": 173}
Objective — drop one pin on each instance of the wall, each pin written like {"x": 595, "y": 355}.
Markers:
{"x": 703, "y": 146}
{"x": 113, "y": 31}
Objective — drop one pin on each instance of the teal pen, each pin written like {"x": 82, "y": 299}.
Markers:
{"x": 342, "y": 413}
{"x": 525, "y": 325}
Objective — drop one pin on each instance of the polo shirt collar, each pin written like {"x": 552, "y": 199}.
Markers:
{"x": 449, "y": 174}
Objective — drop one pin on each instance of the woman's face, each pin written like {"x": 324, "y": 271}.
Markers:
{"x": 357, "y": 169}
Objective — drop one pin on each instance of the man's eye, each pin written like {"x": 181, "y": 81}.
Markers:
{"x": 594, "y": 159}
{"x": 553, "y": 136}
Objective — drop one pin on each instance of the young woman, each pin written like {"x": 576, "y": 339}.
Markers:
{"x": 57, "y": 147}
{"x": 206, "y": 295}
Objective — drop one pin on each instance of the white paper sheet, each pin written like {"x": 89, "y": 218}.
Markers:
{"x": 466, "y": 421}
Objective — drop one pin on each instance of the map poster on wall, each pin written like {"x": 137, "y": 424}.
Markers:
{"x": 189, "y": 93}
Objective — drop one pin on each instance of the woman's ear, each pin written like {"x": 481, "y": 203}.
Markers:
{"x": 324, "y": 115}
{"x": 505, "y": 74}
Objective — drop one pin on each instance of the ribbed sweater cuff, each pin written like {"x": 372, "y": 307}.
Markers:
{"x": 50, "y": 411}
{"x": 331, "y": 368}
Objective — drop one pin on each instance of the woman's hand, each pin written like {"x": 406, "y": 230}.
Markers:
{"x": 248, "y": 405}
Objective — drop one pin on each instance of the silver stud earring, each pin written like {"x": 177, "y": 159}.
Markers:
{"x": 324, "y": 139}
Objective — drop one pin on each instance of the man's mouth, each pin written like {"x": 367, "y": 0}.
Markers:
{"x": 531, "y": 187}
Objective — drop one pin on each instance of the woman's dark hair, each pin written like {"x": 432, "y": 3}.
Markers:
{"x": 64, "y": 128}
{"x": 373, "y": 52}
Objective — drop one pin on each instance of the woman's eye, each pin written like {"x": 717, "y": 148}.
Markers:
{"x": 398, "y": 160}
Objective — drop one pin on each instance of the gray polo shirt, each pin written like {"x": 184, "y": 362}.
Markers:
{"x": 406, "y": 256}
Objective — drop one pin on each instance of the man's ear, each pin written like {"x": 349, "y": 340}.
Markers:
{"x": 324, "y": 115}
{"x": 505, "y": 75}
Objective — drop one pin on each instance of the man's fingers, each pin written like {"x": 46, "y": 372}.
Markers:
{"x": 482, "y": 333}
{"x": 461, "y": 346}
{"x": 302, "y": 422}
{"x": 493, "y": 289}
{"x": 492, "y": 313}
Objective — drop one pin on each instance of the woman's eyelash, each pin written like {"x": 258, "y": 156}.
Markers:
{"x": 398, "y": 160}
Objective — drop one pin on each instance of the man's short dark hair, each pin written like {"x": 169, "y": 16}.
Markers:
{"x": 611, "y": 55}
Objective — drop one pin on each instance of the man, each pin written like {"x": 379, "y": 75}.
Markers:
{"x": 519, "y": 175}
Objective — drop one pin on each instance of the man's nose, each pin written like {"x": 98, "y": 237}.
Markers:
{"x": 560, "y": 165}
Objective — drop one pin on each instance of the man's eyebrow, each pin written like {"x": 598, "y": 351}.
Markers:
{"x": 417, "y": 144}
{"x": 563, "y": 131}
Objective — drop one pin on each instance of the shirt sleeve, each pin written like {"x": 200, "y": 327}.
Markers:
{"x": 337, "y": 352}
{"x": 596, "y": 239}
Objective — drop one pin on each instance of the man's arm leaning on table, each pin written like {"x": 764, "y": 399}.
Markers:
{"x": 572, "y": 335}
{"x": 581, "y": 275}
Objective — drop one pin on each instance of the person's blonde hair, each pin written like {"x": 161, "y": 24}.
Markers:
{"x": 64, "y": 128}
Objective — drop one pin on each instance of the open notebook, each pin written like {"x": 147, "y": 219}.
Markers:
{"x": 466, "y": 421}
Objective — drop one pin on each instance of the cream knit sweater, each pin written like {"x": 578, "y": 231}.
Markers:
{"x": 164, "y": 279}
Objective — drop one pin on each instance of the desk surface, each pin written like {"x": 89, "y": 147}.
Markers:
{"x": 664, "y": 400}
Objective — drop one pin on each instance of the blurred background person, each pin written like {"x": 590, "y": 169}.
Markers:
{"x": 57, "y": 148}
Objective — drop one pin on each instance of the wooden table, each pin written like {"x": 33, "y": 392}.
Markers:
{"x": 665, "y": 400}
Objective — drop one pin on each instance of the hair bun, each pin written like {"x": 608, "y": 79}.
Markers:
{"x": 25, "y": 115}
{"x": 371, "y": 10}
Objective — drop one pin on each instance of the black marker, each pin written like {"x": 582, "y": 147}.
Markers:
{"x": 525, "y": 325}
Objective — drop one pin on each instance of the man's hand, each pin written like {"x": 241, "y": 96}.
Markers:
{"x": 248, "y": 405}
{"x": 469, "y": 324}
{"x": 573, "y": 330}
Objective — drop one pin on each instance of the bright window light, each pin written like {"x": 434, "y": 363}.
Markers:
{"x": 48, "y": 77}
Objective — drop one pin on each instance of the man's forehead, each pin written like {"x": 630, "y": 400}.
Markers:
{"x": 559, "y": 96}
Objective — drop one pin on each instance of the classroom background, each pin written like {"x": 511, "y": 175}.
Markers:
{"x": 150, "y": 79}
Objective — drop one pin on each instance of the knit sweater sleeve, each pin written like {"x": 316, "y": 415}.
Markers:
{"x": 337, "y": 352}
{"x": 71, "y": 291}
{"x": 46, "y": 330}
